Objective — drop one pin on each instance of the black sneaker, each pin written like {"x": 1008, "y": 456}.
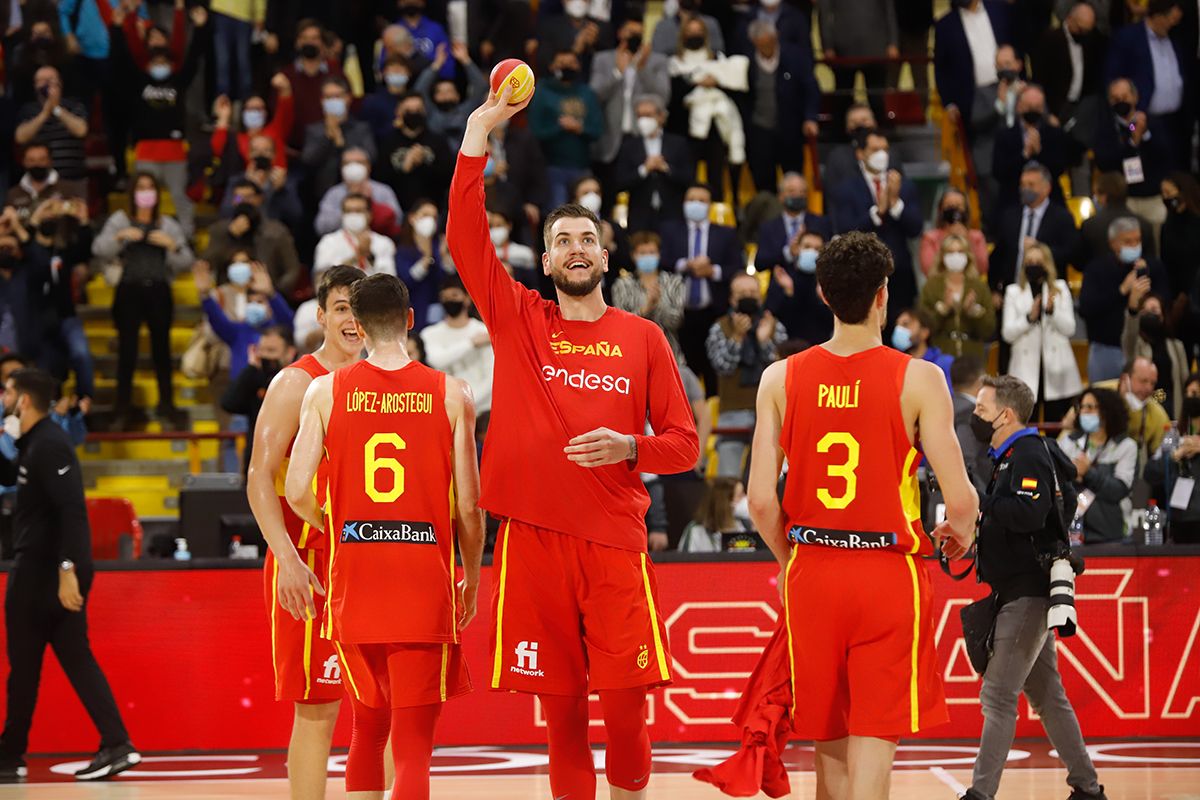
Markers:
{"x": 12, "y": 769}
{"x": 110, "y": 761}
{"x": 971, "y": 795}
{"x": 1080, "y": 794}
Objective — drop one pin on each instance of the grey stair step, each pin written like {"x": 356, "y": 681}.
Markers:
{"x": 175, "y": 469}
{"x": 104, "y": 313}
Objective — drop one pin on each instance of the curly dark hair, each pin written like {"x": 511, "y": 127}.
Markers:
{"x": 850, "y": 270}
{"x": 1114, "y": 416}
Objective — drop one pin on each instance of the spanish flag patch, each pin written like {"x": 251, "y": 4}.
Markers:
{"x": 1028, "y": 483}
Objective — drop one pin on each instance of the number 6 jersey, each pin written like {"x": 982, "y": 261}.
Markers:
{"x": 389, "y": 507}
{"x": 852, "y": 472}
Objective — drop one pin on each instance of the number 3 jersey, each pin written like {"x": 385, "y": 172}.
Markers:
{"x": 389, "y": 507}
{"x": 852, "y": 472}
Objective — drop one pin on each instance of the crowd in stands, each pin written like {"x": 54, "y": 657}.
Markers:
{"x": 249, "y": 145}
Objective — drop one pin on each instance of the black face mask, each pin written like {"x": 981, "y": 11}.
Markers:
{"x": 748, "y": 306}
{"x": 567, "y": 74}
{"x": 1122, "y": 109}
{"x": 414, "y": 120}
{"x": 1008, "y": 75}
{"x": 983, "y": 430}
{"x": 1174, "y": 204}
{"x": 48, "y": 227}
{"x": 446, "y": 105}
{"x": 262, "y": 163}
{"x": 1152, "y": 327}
{"x": 453, "y": 307}
{"x": 1035, "y": 275}
{"x": 693, "y": 43}
{"x": 42, "y": 42}
{"x": 8, "y": 259}
{"x": 1191, "y": 406}
{"x": 796, "y": 205}
{"x": 1032, "y": 118}
{"x": 955, "y": 215}
{"x": 270, "y": 366}
{"x": 38, "y": 174}
{"x": 859, "y": 134}
{"x": 634, "y": 42}
{"x": 309, "y": 51}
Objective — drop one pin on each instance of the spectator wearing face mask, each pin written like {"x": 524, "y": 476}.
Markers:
{"x": 460, "y": 346}
{"x": 841, "y": 160}
{"x": 307, "y": 76}
{"x": 588, "y": 193}
{"x": 952, "y": 219}
{"x": 1145, "y": 336}
{"x": 1105, "y": 461}
{"x": 378, "y": 109}
{"x": 325, "y": 142}
{"x": 280, "y": 199}
{"x": 449, "y": 109}
{"x": 427, "y": 35}
{"x": 911, "y": 334}
{"x": 1037, "y": 219}
{"x": 413, "y": 160}
{"x": 653, "y": 166}
{"x": 268, "y": 240}
{"x": 256, "y": 121}
{"x": 44, "y": 48}
{"x": 356, "y": 179}
{"x": 264, "y": 307}
{"x": 1033, "y": 137}
{"x": 1039, "y": 321}
{"x": 515, "y": 177}
{"x": 1185, "y": 522}
{"x": 966, "y": 40}
{"x": 1180, "y": 243}
{"x": 423, "y": 262}
{"x": 519, "y": 260}
{"x": 779, "y": 238}
{"x": 39, "y": 183}
{"x": 245, "y": 394}
{"x": 1109, "y": 192}
{"x": 1108, "y": 294}
{"x": 355, "y": 243}
{"x": 152, "y": 249}
{"x": 573, "y": 30}
{"x": 792, "y": 293}
{"x": 624, "y": 79}
{"x": 650, "y": 292}
{"x": 565, "y": 116}
{"x": 958, "y": 302}
{"x": 666, "y": 33}
{"x": 60, "y": 124}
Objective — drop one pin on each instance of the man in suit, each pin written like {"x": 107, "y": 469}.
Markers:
{"x": 964, "y": 51}
{"x": 841, "y": 162}
{"x": 966, "y": 378}
{"x": 878, "y": 200}
{"x": 995, "y": 111}
{"x": 859, "y": 29}
{"x": 792, "y": 294}
{"x": 1037, "y": 218}
{"x": 1156, "y": 64}
{"x": 1187, "y": 38}
{"x": 779, "y": 238}
{"x": 619, "y": 77}
{"x": 707, "y": 256}
{"x": 1069, "y": 64}
{"x": 1033, "y": 137}
{"x": 666, "y": 32}
{"x": 783, "y": 99}
{"x": 790, "y": 23}
{"x": 1109, "y": 192}
{"x": 654, "y": 167}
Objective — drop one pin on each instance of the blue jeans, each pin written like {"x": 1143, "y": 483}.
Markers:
{"x": 560, "y": 180}
{"x": 231, "y": 37}
{"x": 70, "y": 349}
{"x": 1105, "y": 362}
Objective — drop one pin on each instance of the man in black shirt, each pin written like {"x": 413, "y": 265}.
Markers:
{"x": 49, "y": 581}
{"x": 273, "y": 352}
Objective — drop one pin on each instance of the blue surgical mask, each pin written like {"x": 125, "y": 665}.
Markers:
{"x": 160, "y": 72}
{"x": 334, "y": 106}
{"x": 256, "y": 314}
{"x": 902, "y": 339}
{"x": 807, "y": 262}
{"x": 489, "y": 169}
{"x": 239, "y": 273}
{"x": 695, "y": 210}
{"x": 1131, "y": 253}
{"x": 1089, "y": 422}
{"x": 396, "y": 80}
{"x": 647, "y": 263}
{"x": 253, "y": 119}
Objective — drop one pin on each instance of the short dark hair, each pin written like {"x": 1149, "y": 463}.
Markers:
{"x": 850, "y": 271}
{"x": 380, "y": 304}
{"x": 282, "y": 331}
{"x": 923, "y": 317}
{"x": 337, "y": 276}
{"x": 1156, "y": 8}
{"x": 1114, "y": 415}
{"x": 40, "y": 386}
{"x": 965, "y": 370}
{"x": 336, "y": 81}
{"x": 1113, "y": 186}
{"x": 567, "y": 211}
{"x": 246, "y": 183}
{"x": 639, "y": 238}
{"x": 1040, "y": 169}
{"x": 452, "y": 281}
{"x": 699, "y": 185}
{"x": 397, "y": 60}
{"x": 1012, "y": 393}
{"x": 309, "y": 22}
{"x": 357, "y": 196}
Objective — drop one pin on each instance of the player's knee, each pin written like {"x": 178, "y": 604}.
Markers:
{"x": 318, "y": 713}
{"x": 624, "y": 713}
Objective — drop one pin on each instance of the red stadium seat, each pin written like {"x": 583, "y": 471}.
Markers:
{"x": 111, "y": 518}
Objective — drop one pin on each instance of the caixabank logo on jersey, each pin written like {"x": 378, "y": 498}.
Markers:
{"x": 388, "y": 531}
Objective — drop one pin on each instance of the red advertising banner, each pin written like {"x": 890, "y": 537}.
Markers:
{"x": 188, "y": 657}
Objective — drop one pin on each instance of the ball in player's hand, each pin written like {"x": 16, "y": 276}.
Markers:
{"x": 517, "y": 74}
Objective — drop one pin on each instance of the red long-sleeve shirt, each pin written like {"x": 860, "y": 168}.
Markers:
{"x": 556, "y": 379}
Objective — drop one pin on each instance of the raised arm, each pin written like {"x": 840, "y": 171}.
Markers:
{"x": 460, "y": 406}
{"x": 307, "y": 451}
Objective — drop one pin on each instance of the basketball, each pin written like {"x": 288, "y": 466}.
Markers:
{"x": 517, "y": 74}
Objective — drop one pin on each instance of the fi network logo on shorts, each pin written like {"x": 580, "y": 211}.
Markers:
{"x": 527, "y": 660}
{"x": 333, "y": 671}
{"x": 388, "y": 531}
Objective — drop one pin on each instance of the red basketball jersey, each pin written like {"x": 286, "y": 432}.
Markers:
{"x": 389, "y": 507}
{"x": 852, "y": 472}
{"x": 301, "y": 534}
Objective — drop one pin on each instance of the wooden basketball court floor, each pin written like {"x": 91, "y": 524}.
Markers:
{"x": 1130, "y": 770}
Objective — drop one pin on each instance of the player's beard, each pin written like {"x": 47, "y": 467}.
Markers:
{"x": 562, "y": 282}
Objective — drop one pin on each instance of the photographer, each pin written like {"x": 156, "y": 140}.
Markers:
{"x": 1021, "y": 525}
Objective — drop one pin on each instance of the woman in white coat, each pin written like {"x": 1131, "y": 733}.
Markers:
{"x": 1039, "y": 320}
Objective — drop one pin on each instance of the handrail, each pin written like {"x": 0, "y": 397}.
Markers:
{"x": 867, "y": 61}
{"x": 193, "y": 439}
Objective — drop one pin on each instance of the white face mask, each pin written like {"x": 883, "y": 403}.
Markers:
{"x": 355, "y": 221}
{"x": 12, "y": 426}
{"x": 955, "y": 262}
{"x": 1134, "y": 402}
{"x": 354, "y": 172}
{"x": 576, "y": 9}
{"x": 878, "y": 161}
{"x": 591, "y": 201}
{"x": 499, "y": 236}
{"x": 647, "y": 126}
{"x": 425, "y": 227}
{"x": 741, "y": 509}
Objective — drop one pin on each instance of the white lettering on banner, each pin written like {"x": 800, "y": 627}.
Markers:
{"x": 591, "y": 381}
{"x": 1193, "y": 698}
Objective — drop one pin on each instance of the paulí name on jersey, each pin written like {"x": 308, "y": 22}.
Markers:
{"x": 364, "y": 402}
{"x": 388, "y": 531}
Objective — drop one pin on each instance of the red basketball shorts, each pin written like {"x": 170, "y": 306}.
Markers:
{"x": 571, "y": 616}
{"x": 860, "y": 635}
{"x": 307, "y": 668}
{"x": 403, "y": 675}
